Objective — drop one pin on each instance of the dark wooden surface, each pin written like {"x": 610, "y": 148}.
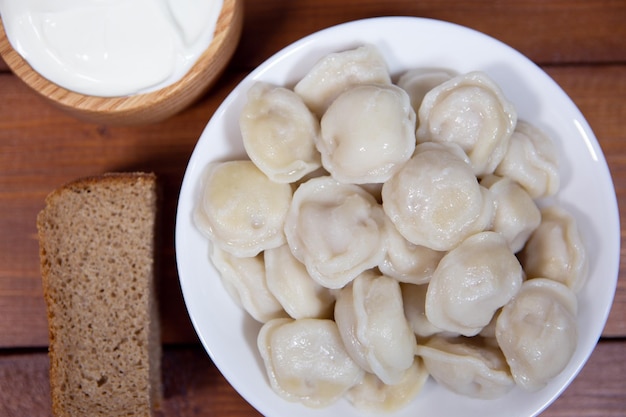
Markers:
{"x": 580, "y": 43}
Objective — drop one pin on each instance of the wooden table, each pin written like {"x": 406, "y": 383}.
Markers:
{"x": 580, "y": 43}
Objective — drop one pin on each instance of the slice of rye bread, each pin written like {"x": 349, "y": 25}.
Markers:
{"x": 97, "y": 240}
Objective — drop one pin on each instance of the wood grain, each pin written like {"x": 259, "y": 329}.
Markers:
{"x": 193, "y": 386}
{"x": 548, "y": 32}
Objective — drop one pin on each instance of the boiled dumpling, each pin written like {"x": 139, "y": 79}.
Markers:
{"x": 336, "y": 230}
{"x": 537, "y": 332}
{"x": 306, "y": 361}
{"x": 555, "y": 250}
{"x": 367, "y": 133}
{"x": 279, "y": 133}
{"x": 435, "y": 200}
{"x": 517, "y": 214}
{"x": 293, "y": 287}
{"x": 471, "y": 282}
{"x": 244, "y": 280}
{"x": 467, "y": 366}
{"x": 338, "y": 71}
{"x": 240, "y": 209}
{"x": 531, "y": 160}
{"x": 373, "y": 395}
{"x": 371, "y": 321}
{"x": 406, "y": 261}
{"x": 419, "y": 81}
{"x": 414, "y": 301}
{"x": 471, "y": 111}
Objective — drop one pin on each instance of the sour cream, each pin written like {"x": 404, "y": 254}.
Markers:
{"x": 110, "y": 47}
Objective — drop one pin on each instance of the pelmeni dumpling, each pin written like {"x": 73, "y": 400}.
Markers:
{"x": 531, "y": 160}
{"x": 374, "y": 396}
{"x": 471, "y": 282}
{"x": 467, "y": 366}
{"x": 244, "y": 279}
{"x": 537, "y": 332}
{"x": 517, "y": 214}
{"x": 293, "y": 287}
{"x": 414, "y": 302}
{"x": 240, "y": 209}
{"x": 471, "y": 111}
{"x": 336, "y": 230}
{"x": 338, "y": 71}
{"x": 279, "y": 133}
{"x": 406, "y": 261}
{"x": 419, "y": 81}
{"x": 435, "y": 200}
{"x": 555, "y": 250}
{"x": 367, "y": 133}
{"x": 306, "y": 361}
{"x": 371, "y": 321}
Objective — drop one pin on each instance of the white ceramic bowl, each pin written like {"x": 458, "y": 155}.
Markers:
{"x": 229, "y": 335}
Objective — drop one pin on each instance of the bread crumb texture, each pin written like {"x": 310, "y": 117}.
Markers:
{"x": 96, "y": 239}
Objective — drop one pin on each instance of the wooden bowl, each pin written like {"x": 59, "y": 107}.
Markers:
{"x": 147, "y": 107}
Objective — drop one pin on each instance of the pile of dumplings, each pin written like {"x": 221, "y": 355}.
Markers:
{"x": 384, "y": 232}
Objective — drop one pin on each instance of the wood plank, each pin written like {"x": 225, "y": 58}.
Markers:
{"x": 555, "y": 31}
{"x": 41, "y": 148}
{"x": 194, "y": 387}
{"x": 546, "y": 31}
{"x": 24, "y": 386}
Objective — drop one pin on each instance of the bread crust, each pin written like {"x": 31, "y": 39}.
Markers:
{"x": 96, "y": 240}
